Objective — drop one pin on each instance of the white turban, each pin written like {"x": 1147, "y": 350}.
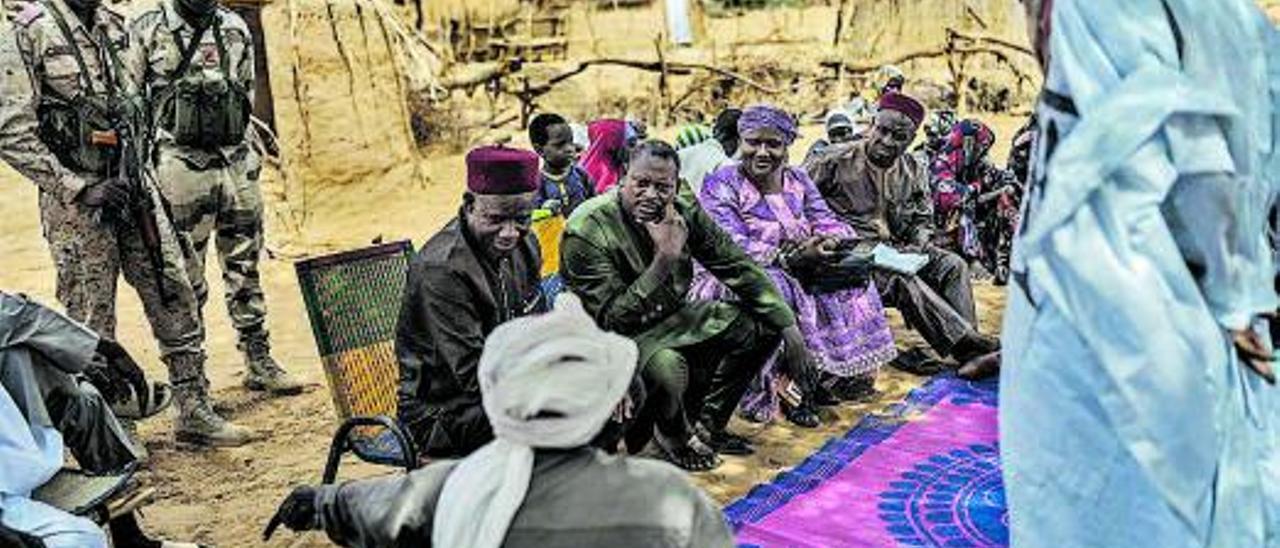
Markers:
{"x": 549, "y": 381}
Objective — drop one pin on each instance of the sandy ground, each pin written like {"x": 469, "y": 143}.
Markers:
{"x": 355, "y": 180}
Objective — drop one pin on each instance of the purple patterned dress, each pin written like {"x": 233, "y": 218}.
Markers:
{"x": 847, "y": 332}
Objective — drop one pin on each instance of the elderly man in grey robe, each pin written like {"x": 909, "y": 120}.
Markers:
{"x": 46, "y": 404}
{"x": 548, "y": 384}
{"x": 41, "y": 405}
{"x": 1134, "y": 406}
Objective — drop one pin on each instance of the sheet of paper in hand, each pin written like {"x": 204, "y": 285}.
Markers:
{"x": 891, "y": 259}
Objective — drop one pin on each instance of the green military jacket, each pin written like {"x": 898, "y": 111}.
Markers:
{"x": 604, "y": 257}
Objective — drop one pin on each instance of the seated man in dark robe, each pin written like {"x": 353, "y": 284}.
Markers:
{"x": 883, "y": 192}
{"x": 629, "y": 255}
{"x": 480, "y": 270}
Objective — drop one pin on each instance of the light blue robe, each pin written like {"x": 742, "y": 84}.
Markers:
{"x": 1126, "y": 419}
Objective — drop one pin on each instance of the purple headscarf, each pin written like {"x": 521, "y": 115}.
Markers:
{"x": 768, "y": 116}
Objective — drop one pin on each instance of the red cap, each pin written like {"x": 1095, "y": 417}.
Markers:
{"x": 501, "y": 170}
{"x": 903, "y": 103}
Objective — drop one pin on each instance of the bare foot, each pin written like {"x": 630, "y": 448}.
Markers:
{"x": 691, "y": 455}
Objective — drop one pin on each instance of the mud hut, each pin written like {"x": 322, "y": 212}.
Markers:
{"x": 878, "y": 29}
{"x": 972, "y": 53}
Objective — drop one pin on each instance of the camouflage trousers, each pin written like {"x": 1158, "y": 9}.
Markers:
{"x": 223, "y": 203}
{"x": 90, "y": 255}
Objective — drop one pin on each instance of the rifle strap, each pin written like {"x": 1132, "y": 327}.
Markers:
{"x": 223, "y": 62}
{"x": 188, "y": 51}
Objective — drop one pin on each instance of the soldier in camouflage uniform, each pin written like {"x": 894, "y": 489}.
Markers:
{"x": 64, "y": 94}
{"x": 194, "y": 63}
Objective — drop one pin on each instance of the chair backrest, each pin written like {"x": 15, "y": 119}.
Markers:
{"x": 549, "y": 230}
{"x": 353, "y": 300}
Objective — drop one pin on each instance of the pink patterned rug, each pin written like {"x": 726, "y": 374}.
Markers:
{"x": 925, "y": 474}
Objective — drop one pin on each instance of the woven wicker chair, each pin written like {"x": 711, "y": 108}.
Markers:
{"x": 353, "y": 301}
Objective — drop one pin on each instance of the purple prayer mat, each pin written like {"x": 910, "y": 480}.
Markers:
{"x": 927, "y": 473}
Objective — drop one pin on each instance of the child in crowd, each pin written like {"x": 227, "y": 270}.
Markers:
{"x": 564, "y": 184}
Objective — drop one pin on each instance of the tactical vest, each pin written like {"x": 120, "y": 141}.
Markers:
{"x": 85, "y": 133}
{"x": 205, "y": 108}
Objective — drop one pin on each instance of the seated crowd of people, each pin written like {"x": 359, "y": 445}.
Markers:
{"x": 730, "y": 281}
{"x": 736, "y": 274}
{"x": 699, "y": 282}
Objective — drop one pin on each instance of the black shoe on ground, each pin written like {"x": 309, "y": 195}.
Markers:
{"x": 801, "y": 415}
{"x": 980, "y": 368}
{"x": 917, "y": 361}
{"x": 854, "y": 389}
{"x": 824, "y": 397}
{"x": 972, "y": 346}
{"x": 725, "y": 442}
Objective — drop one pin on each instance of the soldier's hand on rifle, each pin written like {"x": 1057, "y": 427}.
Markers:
{"x": 110, "y": 194}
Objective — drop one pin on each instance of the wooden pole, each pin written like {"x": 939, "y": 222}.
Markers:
{"x": 664, "y": 93}
{"x": 835, "y": 40}
{"x": 263, "y": 104}
{"x": 526, "y": 102}
{"x": 591, "y": 27}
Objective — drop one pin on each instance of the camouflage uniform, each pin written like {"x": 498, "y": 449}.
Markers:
{"x": 214, "y": 191}
{"x": 89, "y": 252}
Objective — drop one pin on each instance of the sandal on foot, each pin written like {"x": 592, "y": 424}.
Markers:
{"x": 687, "y": 456}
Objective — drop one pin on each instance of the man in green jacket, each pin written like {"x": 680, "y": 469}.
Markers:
{"x": 629, "y": 255}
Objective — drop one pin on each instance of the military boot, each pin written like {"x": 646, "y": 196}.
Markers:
{"x": 197, "y": 423}
{"x": 261, "y": 370}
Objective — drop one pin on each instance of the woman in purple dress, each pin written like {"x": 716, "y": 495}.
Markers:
{"x": 776, "y": 214}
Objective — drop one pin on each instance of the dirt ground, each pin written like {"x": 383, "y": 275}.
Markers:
{"x": 357, "y": 179}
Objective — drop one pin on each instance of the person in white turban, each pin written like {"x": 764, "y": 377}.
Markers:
{"x": 548, "y": 383}
{"x": 1134, "y": 400}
